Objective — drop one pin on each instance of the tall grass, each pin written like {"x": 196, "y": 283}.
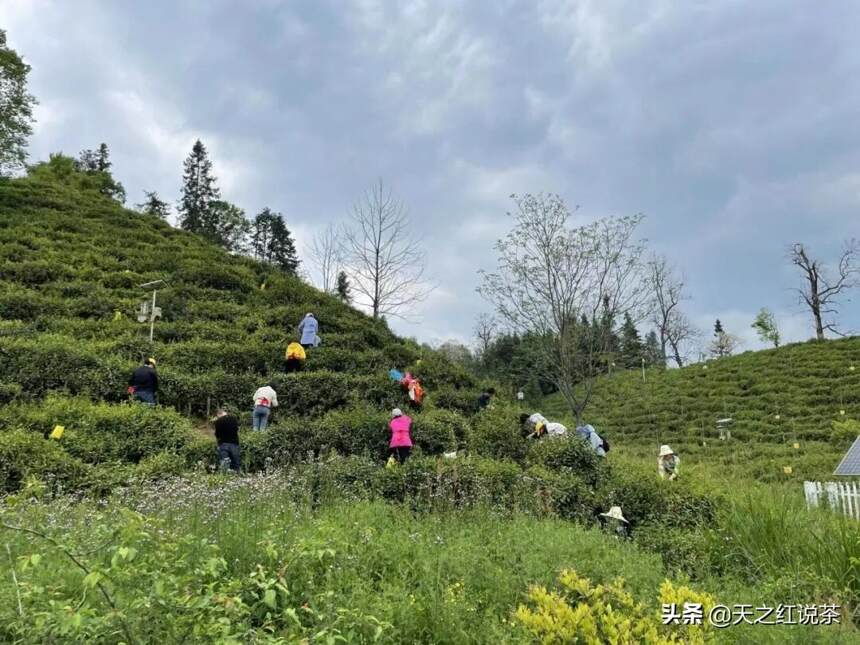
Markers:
{"x": 771, "y": 535}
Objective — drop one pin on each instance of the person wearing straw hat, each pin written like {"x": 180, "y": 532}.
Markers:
{"x": 401, "y": 438}
{"x": 668, "y": 463}
{"x": 616, "y": 521}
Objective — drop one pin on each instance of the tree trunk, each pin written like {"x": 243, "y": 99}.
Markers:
{"x": 815, "y": 305}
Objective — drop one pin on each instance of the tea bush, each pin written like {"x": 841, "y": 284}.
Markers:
{"x": 24, "y": 454}
{"x": 496, "y": 433}
{"x": 436, "y": 431}
{"x": 569, "y": 453}
{"x": 97, "y": 432}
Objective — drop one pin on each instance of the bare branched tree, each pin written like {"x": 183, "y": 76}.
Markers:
{"x": 566, "y": 286}
{"x": 723, "y": 344}
{"x": 327, "y": 250}
{"x": 485, "y": 331}
{"x": 386, "y": 262}
{"x": 674, "y": 330}
{"x": 821, "y": 292}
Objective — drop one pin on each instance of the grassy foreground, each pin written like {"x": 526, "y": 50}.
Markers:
{"x": 245, "y": 560}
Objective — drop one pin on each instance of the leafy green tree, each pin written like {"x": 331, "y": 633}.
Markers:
{"x": 766, "y": 327}
{"x": 97, "y": 164}
{"x": 631, "y": 344}
{"x": 153, "y": 205}
{"x": 272, "y": 242}
{"x": 198, "y": 192}
{"x": 225, "y": 224}
{"x": 16, "y": 108}
{"x": 342, "y": 288}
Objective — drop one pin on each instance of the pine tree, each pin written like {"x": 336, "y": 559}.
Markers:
{"x": 342, "y": 287}
{"x": 272, "y": 242}
{"x": 198, "y": 191}
{"x": 718, "y": 328}
{"x": 103, "y": 163}
{"x": 631, "y": 344}
{"x": 154, "y": 206}
{"x": 261, "y": 235}
{"x": 97, "y": 164}
{"x": 283, "y": 248}
{"x": 653, "y": 354}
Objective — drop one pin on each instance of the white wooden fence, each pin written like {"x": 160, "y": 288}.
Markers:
{"x": 841, "y": 496}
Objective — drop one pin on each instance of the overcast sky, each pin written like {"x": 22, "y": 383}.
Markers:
{"x": 733, "y": 126}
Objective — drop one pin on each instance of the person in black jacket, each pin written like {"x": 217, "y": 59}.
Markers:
{"x": 143, "y": 383}
{"x": 227, "y": 438}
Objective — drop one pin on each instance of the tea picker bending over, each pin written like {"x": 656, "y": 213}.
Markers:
{"x": 401, "y": 436}
{"x": 227, "y": 438}
{"x": 294, "y": 359}
{"x": 265, "y": 398}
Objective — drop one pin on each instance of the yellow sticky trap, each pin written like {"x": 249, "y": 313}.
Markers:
{"x": 851, "y": 368}
{"x": 795, "y": 445}
{"x": 776, "y": 416}
{"x": 117, "y": 314}
{"x": 841, "y": 413}
{"x": 787, "y": 470}
{"x": 263, "y": 287}
{"x": 57, "y": 432}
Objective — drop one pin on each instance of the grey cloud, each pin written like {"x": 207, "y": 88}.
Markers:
{"x": 730, "y": 125}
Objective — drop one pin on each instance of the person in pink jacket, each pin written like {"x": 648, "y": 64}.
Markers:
{"x": 401, "y": 437}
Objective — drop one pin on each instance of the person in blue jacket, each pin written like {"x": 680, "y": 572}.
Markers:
{"x": 308, "y": 329}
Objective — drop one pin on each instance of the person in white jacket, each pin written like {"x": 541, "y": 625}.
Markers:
{"x": 265, "y": 398}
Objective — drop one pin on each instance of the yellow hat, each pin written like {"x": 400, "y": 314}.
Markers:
{"x": 151, "y": 361}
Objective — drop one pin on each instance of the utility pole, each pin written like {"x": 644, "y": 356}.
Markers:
{"x": 150, "y": 311}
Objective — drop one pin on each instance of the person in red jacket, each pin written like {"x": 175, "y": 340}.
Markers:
{"x": 401, "y": 435}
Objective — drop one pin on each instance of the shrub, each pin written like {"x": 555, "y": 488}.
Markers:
{"x": 355, "y": 431}
{"x": 98, "y": 432}
{"x": 436, "y": 431}
{"x": 844, "y": 432}
{"x": 607, "y": 613}
{"x": 436, "y": 371}
{"x": 496, "y": 433}
{"x": 25, "y": 454}
{"x": 569, "y": 453}
{"x": 462, "y": 401}
{"x": 563, "y": 493}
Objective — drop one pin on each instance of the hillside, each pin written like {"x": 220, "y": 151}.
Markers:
{"x": 804, "y": 393}
{"x": 70, "y": 265}
{"x": 317, "y": 540}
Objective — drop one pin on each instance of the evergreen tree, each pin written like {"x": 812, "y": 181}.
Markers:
{"x": 718, "y": 328}
{"x": 103, "y": 163}
{"x": 16, "y": 108}
{"x": 631, "y": 344}
{"x": 97, "y": 164}
{"x": 261, "y": 235}
{"x": 198, "y": 192}
{"x": 272, "y": 242}
{"x": 653, "y": 354}
{"x": 154, "y": 206}
{"x": 342, "y": 287}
